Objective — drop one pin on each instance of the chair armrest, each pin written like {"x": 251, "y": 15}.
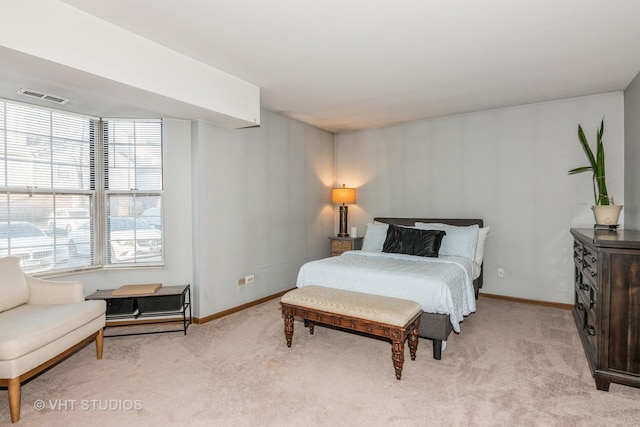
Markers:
{"x": 48, "y": 292}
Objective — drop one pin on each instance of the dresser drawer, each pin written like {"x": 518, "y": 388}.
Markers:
{"x": 588, "y": 293}
{"x": 341, "y": 245}
{"x": 583, "y": 292}
{"x": 160, "y": 303}
{"x": 586, "y": 261}
{"x": 577, "y": 252}
{"x": 121, "y": 306}
{"x": 587, "y": 323}
{"x": 581, "y": 310}
{"x": 592, "y": 329}
{"x": 590, "y": 264}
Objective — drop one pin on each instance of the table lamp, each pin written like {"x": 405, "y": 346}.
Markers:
{"x": 343, "y": 196}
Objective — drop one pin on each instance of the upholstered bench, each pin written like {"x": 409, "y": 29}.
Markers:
{"x": 393, "y": 318}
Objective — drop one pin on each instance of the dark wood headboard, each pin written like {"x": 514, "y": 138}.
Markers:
{"x": 412, "y": 221}
{"x": 461, "y": 222}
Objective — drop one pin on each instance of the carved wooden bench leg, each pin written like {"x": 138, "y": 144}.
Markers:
{"x": 397, "y": 350}
{"x": 413, "y": 340}
{"x": 311, "y": 327}
{"x": 288, "y": 328}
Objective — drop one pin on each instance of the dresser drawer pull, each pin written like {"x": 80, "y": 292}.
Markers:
{"x": 591, "y": 330}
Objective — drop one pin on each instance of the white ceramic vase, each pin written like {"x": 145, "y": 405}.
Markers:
{"x": 607, "y": 214}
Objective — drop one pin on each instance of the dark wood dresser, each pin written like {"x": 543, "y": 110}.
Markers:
{"x": 607, "y": 303}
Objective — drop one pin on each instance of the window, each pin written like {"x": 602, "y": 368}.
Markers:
{"x": 77, "y": 191}
{"x": 133, "y": 189}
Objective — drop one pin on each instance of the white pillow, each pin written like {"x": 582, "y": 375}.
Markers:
{"x": 476, "y": 270}
{"x": 482, "y": 237}
{"x": 13, "y": 287}
{"x": 374, "y": 237}
{"x": 459, "y": 241}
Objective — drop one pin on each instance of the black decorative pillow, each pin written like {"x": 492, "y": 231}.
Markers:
{"x": 413, "y": 241}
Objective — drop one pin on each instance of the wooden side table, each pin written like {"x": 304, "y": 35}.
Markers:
{"x": 343, "y": 244}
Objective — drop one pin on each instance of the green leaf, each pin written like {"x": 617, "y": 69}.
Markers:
{"x": 601, "y": 130}
{"x": 603, "y": 196}
{"x": 580, "y": 169}
{"x": 586, "y": 147}
{"x": 600, "y": 195}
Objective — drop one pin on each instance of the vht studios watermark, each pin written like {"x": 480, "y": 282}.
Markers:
{"x": 88, "y": 405}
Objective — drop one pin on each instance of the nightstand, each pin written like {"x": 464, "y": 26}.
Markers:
{"x": 343, "y": 244}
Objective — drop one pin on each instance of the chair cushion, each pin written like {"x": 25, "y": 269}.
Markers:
{"x": 13, "y": 287}
{"x": 30, "y": 326}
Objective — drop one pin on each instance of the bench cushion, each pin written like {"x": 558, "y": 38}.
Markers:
{"x": 377, "y": 308}
{"x": 28, "y": 327}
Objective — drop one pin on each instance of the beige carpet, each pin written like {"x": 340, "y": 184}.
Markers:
{"x": 512, "y": 365}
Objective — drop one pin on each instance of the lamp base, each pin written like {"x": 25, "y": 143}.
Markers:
{"x": 344, "y": 211}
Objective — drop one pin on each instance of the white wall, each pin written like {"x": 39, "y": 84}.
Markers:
{"x": 261, "y": 207}
{"x": 632, "y": 154}
{"x": 238, "y": 202}
{"x": 508, "y": 166}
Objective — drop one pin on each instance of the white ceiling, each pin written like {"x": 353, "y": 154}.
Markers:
{"x": 352, "y": 64}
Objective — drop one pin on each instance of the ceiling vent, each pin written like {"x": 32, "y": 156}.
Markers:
{"x": 44, "y": 96}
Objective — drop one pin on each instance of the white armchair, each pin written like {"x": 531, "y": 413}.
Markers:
{"x": 41, "y": 322}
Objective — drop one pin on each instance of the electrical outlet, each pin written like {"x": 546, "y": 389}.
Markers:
{"x": 242, "y": 281}
{"x": 501, "y": 273}
{"x": 249, "y": 279}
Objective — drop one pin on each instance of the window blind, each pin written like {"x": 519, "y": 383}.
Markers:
{"x": 133, "y": 187}
{"x": 67, "y": 181}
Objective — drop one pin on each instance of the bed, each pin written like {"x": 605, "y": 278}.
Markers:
{"x": 446, "y": 285}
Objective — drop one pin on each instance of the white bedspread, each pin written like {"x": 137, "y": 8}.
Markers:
{"x": 440, "y": 285}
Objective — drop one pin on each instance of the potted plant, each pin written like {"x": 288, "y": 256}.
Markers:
{"x": 604, "y": 210}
